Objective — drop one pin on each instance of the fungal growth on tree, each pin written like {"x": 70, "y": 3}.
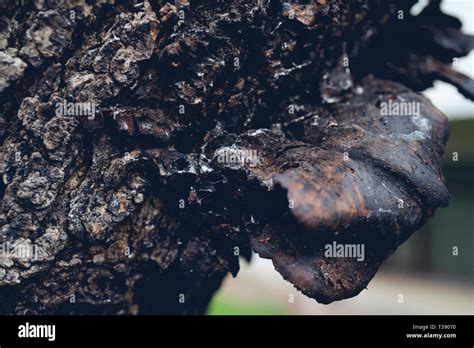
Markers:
{"x": 146, "y": 145}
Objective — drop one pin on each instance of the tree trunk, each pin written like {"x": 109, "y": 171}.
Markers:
{"x": 146, "y": 146}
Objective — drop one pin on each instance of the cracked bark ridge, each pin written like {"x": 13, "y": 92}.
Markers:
{"x": 131, "y": 210}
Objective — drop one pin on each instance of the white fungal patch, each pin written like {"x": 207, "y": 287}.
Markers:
{"x": 423, "y": 131}
{"x": 257, "y": 132}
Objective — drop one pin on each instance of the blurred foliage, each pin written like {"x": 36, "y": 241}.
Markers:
{"x": 223, "y": 305}
{"x": 461, "y": 140}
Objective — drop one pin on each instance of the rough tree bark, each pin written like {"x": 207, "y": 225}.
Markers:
{"x": 133, "y": 210}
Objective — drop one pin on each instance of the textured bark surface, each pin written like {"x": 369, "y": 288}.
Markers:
{"x": 133, "y": 211}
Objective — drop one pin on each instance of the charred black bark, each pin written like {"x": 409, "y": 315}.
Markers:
{"x": 145, "y": 146}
